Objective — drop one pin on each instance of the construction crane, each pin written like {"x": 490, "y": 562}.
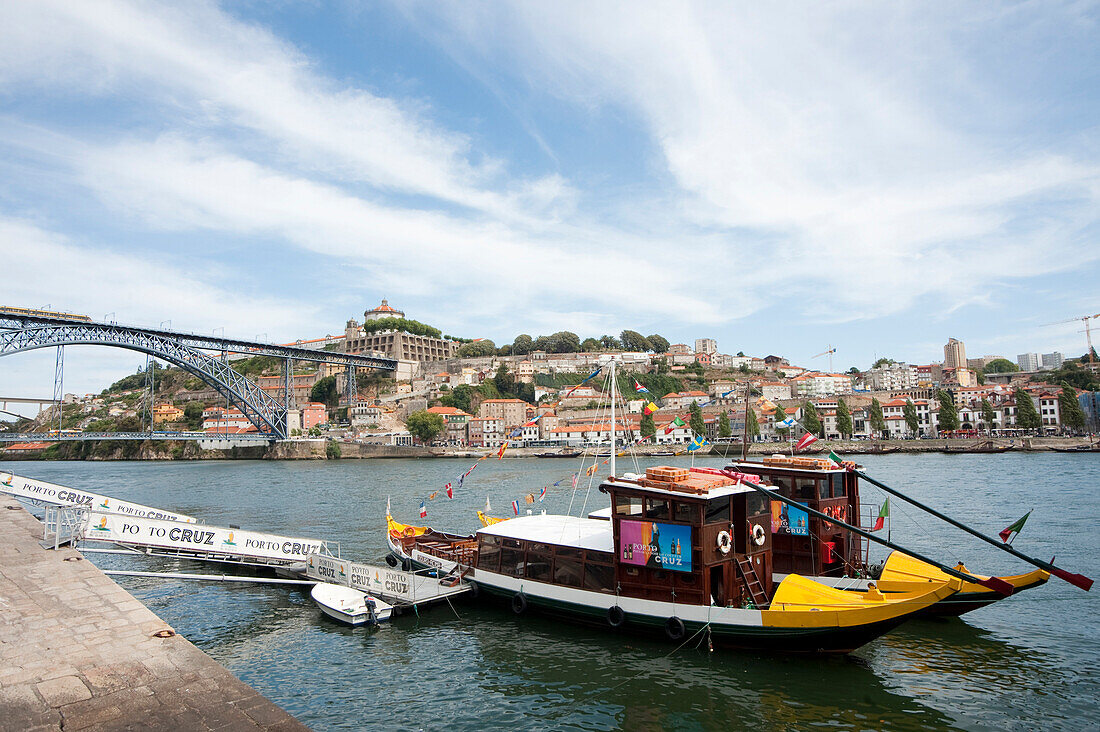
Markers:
{"x": 1088, "y": 332}
{"x": 830, "y": 353}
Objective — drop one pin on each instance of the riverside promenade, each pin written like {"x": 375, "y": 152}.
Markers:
{"x": 79, "y": 652}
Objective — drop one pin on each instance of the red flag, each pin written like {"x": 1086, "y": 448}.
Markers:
{"x": 805, "y": 441}
{"x": 450, "y": 491}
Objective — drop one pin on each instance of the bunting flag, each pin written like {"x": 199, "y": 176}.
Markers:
{"x": 835, "y": 458}
{"x": 1013, "y": 529}
{"x": 488, "y": 508}
{"x": 674, "y": 424}
{"x": 649, "y": 408}
{"x": 592, "y": 469}
{"x": 529, "y": 498}
{"x": 388, "y": 511}
{"x": 883, "y": 514}
{"x": 639, "y": 388}
{"x": 696, "y": 443}
{"x": 423, "y": 510}
{"x": 805, "y": 441}
{"x": 575, "y": 481}
{"x": 450, "y": 492}
{"x": 785, "y": 424}
{"x": 542, "y": 493}
{"x": 500, "y": 454}
{"x": 433, "y": 495}
{"x": 515, "y": 507}
{"x": 516, "y": 432}
{"x": 765, "y": 404}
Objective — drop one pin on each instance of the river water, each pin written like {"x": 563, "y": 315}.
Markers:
{"x": 1031, "y": 661}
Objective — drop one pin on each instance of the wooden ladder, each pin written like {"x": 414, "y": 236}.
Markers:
{"x": 752, "y": 583}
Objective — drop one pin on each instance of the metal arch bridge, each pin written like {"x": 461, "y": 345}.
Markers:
{"x": 19, "y": 332}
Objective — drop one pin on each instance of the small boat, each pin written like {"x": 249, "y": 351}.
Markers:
{"x": 350, "y": 606}
{"x": 1077, "y": 448}
{"x": 422, "y": 547}
{"x": 559, "y": 454}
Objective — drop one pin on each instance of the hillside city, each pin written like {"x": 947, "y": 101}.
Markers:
{"x": 472, "y": 394}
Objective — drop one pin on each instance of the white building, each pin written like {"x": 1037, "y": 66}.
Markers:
{"x": 892, "y": 376}
{"x": 706, "y": 345}
{"x": 1028, "y": 361}
{"x": 1052, "y": 361}
{"x": 816, "y": 384}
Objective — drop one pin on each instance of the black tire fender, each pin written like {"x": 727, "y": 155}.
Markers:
{"x": 519, "y": 603}
{"x": 474, "y": 589}
{"x": 391, "y": 560}
{"x": 616, "y": 616}
{"x": 674, "y": 628}
{"x": 407, "y": 564}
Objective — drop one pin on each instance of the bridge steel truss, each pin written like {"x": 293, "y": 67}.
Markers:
{"x": 268, "y": 414}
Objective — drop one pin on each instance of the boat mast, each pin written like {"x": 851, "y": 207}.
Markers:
{"x": 612, "y": 364}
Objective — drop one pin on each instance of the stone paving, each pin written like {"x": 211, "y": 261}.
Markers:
{"x": 79, "y": 652}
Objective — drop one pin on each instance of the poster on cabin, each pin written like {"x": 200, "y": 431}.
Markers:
{"x": 787, "y": 519}
{"x": 656, "y": 545}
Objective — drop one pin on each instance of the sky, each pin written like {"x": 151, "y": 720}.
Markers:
{"x": 784, "y": 178}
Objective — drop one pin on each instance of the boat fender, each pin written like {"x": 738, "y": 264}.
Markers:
{"x": 474, "y": 589}
{"x": 616, "y": 616}
{"x": 758, "y": 535}
{"x": 725, "y": 542}
{"x": 391, "y": 560}
{"x": 674, "y": 628}
{"x": 407, "y": 564}
{"x": 519, "y": 603}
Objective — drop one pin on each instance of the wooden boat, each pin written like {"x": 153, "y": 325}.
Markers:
{"x": 421, "y": 547}
{"x": 831, "y": 555}
{"x": 685, "y": 554}
{"x": 350, "y": 606}
{"x": 559, "y": 454}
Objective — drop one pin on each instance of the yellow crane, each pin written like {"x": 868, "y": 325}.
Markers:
{"x": 1088, "y": 332}
{"x": 830, "y": 353}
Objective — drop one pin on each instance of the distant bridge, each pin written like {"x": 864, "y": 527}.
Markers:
{"x": 22, "y": 330}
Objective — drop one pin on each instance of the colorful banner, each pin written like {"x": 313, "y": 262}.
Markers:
{"x": 787, "y": 519}
{"x": 652, "y": 544}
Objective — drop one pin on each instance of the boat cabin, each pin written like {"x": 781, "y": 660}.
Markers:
{"x": 802, "y": 543}
{"x": 679, "y": 535}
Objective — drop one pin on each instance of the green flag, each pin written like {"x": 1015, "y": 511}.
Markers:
{"x": 883, "y": 514}
{"x": 1014, "y": 528}
{"x": 834, "y": 457}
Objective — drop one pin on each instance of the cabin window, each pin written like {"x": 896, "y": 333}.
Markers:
{"x": 807, "y": 488}
{"x": 488, "y": 554}
{"x": 657, "y": 508}
{"x": 567, "y": 567}
{"x": 686, "y": 512}
{"x": 757, "y": 503}
{"x": 628, "y": 506}
{"x": 511, "y": 558}
{"x": 538, "y": 562}
{"x": 782, "y": 485}
{"x": 599, "y": 577}
{"x": 837, "y": 481}
{"x": 718, "y": 510}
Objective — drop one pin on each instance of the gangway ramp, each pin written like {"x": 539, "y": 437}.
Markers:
{"x": 200, "y": 541}
{"x": 40, "y": 493}
{"x": 395, "y": 586}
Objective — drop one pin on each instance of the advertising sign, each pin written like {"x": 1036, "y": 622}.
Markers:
{"x": 787, "y": 519}
{"x": 116, "y": 528}
{"x": 652, "y": 544}
{"x": 39, "y": 493}
{"x": 391, "y": 584}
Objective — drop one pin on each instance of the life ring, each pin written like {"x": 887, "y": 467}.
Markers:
{"x": 410, "y": 531}
{"x": 725, "y": 542}
{"x": 674, "y": 628}
{"x": 391, "y": 560}
{"x": 615, "y": 616}
{"x": 519, "y": 603}
{"x": 758, "y": 535}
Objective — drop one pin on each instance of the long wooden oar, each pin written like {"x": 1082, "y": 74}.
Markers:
{"x": 1078, "y": 580}
{"x": 994, "y": 583}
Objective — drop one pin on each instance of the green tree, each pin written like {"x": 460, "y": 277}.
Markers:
{"x": 660, "y": 344}
{"x": 564, "y": 342}
{"x": 632, "y": 340}
{"x": 610, "y": 342}
{"x": 193, "y": 414}
{"x": 402, "y": 324}
{"x": 324, "y": 391}
{"x": 522, "y": 345}
{"x": 909, "y": 411}
{"x": 1072, "y": 374}
{"x": 948, "y": 415}
{"x": 332, "y": 450}
{"x": 1070, "y": 409}
{"x": 698, "y": 426}
{"x": 647, "y": 427}
{"x": 1026, "y": 416}
{"x": 590, "y": 345}
{"x": 780, "y": 415}
{"x": 843, "y": 418}
{"x": 989, "y": 416}
{"x": 474, "y": 349}
{"x": 425, "y": 426}
{"x": 506, "y": 383}
{"x": 724, "y": 429}
{"x": 1000, "y": 366}
{"x": 882, "y": 362}
{"x": 751, "y": 424}
{"x": 811, "y": 420}
{"x": 878, "y": 422}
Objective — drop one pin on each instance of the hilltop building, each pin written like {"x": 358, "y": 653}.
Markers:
{"x": 394, "y": 344}
{"x": 954, "y": 354}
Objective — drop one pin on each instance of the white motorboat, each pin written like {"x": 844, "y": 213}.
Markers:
{"x": 350, "y": 606}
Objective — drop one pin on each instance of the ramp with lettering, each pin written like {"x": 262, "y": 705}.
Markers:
{"x": 199, "y": 541}
{"x": 392, "y": 585}
{"x": 41, "y": 493}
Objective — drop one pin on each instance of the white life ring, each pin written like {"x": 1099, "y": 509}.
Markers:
{"x": 758, "y": 535}
{"x": 725, "y": 542}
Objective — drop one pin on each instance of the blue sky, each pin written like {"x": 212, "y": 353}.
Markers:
{"x": 781, "y": 177}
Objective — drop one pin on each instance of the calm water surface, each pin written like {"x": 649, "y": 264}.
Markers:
{"x": 1030, "y": 662}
